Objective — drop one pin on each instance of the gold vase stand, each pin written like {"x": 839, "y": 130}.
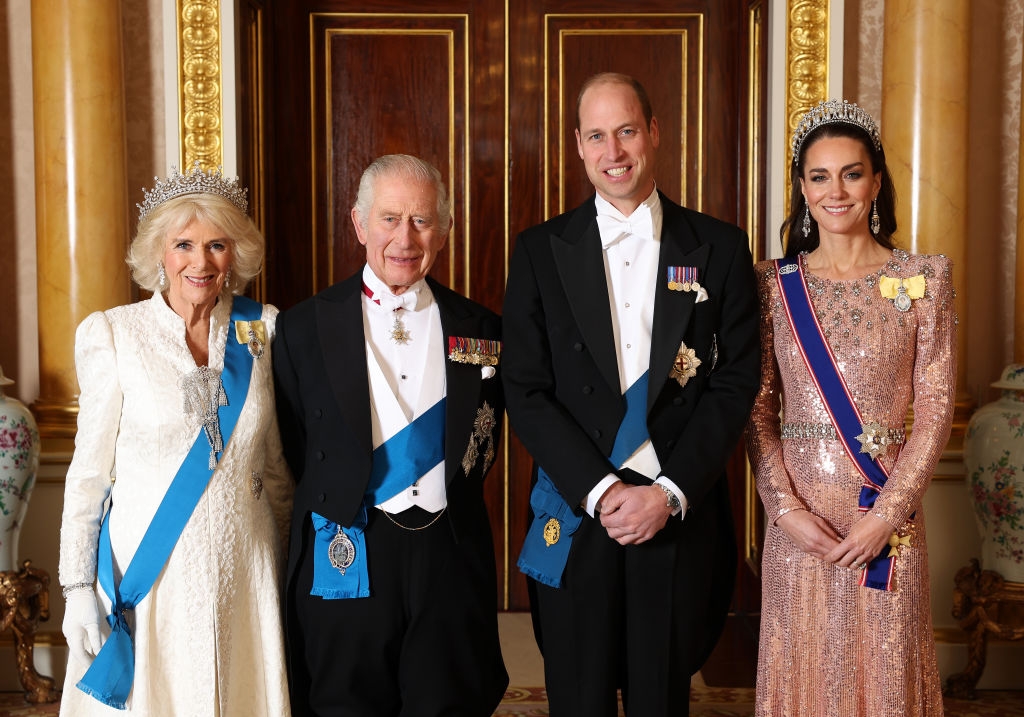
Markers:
{"x": 985, "y": 605}
{"x": 24, "y": 602}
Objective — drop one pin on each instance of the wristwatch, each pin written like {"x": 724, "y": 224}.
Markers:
{"x": 671, "y": 499}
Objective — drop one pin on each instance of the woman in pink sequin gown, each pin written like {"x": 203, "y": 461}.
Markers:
{"x": 829, "y": 646}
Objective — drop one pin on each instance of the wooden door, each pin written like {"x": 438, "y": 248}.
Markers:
{"x": 485, "y": 91}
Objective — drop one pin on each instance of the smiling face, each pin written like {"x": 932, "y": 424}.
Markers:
{"x": 616, "y": 144}
{"x": 196, "y": 260}
{"x": 839, "y": 186}
{"x": 402, "y": 232}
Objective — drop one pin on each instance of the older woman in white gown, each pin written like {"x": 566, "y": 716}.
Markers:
{"x": 177, "y": 412}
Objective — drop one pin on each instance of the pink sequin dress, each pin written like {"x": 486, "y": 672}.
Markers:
{"x": 828, "y": 646}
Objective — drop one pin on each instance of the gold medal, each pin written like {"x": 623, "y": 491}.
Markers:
{"x": 552, "y": 531}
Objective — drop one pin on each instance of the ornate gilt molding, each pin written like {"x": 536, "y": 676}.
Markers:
{"x": 199, "y": 82}
{"x": 806, "y": 58}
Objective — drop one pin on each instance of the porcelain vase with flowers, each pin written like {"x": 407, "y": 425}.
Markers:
{"x": 994, "y": 458}
{"x": 19, "y": 460}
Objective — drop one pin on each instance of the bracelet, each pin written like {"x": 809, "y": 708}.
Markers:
{"x": 77, "y": 586}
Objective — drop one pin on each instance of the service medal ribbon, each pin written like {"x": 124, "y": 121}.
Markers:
{"x": 682, "y": 278}
{"x": 480, "y": 352}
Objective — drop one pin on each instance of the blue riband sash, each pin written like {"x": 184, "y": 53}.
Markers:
{"x": 109, "y": 679}
{"x": 397, "y": 463}
{"x": 836, "y": 397}
{"x": 545, "y": 553}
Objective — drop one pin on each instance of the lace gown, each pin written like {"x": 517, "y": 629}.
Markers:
{"x": 208, "y": 637}
{"x": 828, "y": 646}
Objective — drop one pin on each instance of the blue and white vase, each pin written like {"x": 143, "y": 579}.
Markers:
{"x": 19, "y": 461}
{"x": 994, "y": 458}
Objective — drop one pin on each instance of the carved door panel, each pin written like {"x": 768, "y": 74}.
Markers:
{"x": 485, "y": 91}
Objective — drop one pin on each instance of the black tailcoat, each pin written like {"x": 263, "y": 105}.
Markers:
{"x": 323, "y": 399}
{"x": 564, "y": 401}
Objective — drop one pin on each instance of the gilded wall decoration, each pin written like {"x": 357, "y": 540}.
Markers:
{"x": 806, "y": 58}
{"x": 199, "y": 82}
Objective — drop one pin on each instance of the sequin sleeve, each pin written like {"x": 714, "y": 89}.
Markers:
{"x": 89, "y": 477}
{"x": 764, "y": 441}
{"x": 934, "y": 385}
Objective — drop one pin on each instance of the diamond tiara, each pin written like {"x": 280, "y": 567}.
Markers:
{"x": 195, "y": 182}
{"x": 834, "y": 112}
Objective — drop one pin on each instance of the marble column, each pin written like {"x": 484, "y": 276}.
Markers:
{"x": 81, "y": 199}
{"x": 925, "y": 131}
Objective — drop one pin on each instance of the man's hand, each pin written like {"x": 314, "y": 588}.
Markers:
{"x": 633, "y": 514}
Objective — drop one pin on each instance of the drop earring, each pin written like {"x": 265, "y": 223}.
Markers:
{"x": 161, "y": 274}
{"x": 876, "y": 223}
{"x": 227, "y": 279}
{"x": 807, "y": 219}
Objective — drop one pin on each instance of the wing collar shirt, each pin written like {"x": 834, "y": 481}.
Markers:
{"x": 632, "y": 247}
{"x": 406, "y": 377}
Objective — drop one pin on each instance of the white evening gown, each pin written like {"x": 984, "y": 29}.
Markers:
{"x": 208, "y": 637}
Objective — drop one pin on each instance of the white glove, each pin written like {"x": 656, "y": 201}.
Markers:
{"x": 81, "y": 624}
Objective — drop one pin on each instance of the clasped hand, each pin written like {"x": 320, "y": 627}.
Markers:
{"x": 633, "y": 514}
{"x": 81, "y": 624}
{"x": 811, "y": 534}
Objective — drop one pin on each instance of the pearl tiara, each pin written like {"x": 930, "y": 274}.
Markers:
{"x": 834, "y": 112}
{"x": 195, "y": 182}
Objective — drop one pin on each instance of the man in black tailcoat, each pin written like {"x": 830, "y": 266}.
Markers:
{"x": 631, "y": 552}
{"x": 390, "y": 407}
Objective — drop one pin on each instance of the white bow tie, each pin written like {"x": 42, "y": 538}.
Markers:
{"x": 391, "y": 302}
{"x": 638, "y": 224}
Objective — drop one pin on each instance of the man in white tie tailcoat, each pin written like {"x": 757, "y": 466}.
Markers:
{"x": 628, "y": 291}
{"x": 390, "y": 407}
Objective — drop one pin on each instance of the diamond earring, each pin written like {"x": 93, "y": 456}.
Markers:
{"x": 807, "y": 219}
{"x": 876, "y": 223}
{"x": 227, "y": 279}
{"x": 161, "y": 274}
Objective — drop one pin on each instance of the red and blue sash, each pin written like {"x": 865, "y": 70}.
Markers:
{"x": 836, "y": 397}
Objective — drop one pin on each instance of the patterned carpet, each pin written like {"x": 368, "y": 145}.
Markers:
{"x": 704, "y": 702}
{"x": 738, "y": 702}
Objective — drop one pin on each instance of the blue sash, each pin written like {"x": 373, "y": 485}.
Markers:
{"x": 546, "y": 548}
{"x": 837, "y": 400}
{"x": 397, "y": 463}
{"x": 109, "y": 679}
